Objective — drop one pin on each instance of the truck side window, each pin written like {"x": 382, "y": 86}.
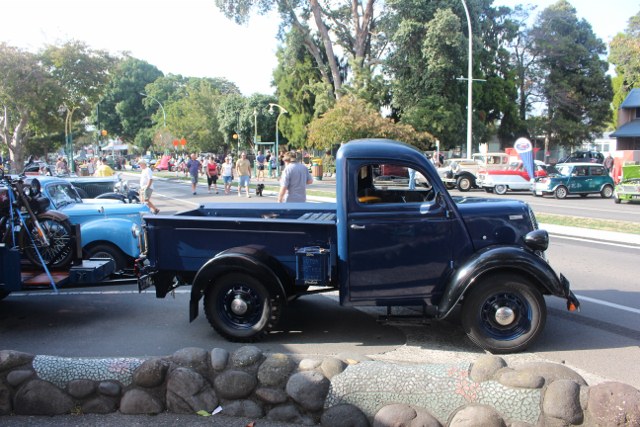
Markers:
{"x": 392, "y": 183}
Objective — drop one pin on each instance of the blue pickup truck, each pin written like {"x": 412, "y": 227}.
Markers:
{"x": 382, "y": 244}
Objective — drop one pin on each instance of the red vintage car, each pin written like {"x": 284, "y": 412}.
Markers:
{"x": 514, "y": 178}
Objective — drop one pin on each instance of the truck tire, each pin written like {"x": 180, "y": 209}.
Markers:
{"x": 240, "y": 308}
{"x": 465, "y": 182}
{"x": 106, "y": 250}
{"x": 504, "y": 313}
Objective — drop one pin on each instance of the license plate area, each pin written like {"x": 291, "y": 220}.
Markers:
{"x": 144, "y": 282}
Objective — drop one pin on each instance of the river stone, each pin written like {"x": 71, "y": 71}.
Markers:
{"x": 219, "y": 358}
{"x": 10, "y": 359}
{"x": 275, "y": 370}
{"x": 188, "y": 392}
{"x": 309, "y": 389}
{"x": 5, "y": 399}
{"x": 243, "y": 408}
{"x": 486, "y": 367}
{"x": 344, "y": 415}
{"x": 332, "y": 366}
{"x": 309, "y": 364}
{"x": 521, "y": 379}
{"x": 38, "y": 397}
{"x": 234, "y": 384}
{"x": 289, "y": 413}
{"x": 613, "y": 404}
{"x": 551, "y": 372}
{"x": 273, "y": 396}
{"x": 109, "y": 388}
{"x": 139, "y": 402}
{"x": 404, "y": 415}
{"x": 247, "y": 356}
{"x": 151, "y": 373}
{"x": 18, "y": 376}
{"x": 100, "y": 405}
{"x": 477, "y": 415}
{"x": 562, "y": 400}
{"x": 192, "y": 357}
{"x": 80, "y": 389}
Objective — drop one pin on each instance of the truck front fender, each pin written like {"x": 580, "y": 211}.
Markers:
{"x": 512, "y": 259}
{"x": 245, "y": 259}
{"x": 114, "y": 230}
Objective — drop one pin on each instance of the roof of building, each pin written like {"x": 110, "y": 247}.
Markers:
{"x": 632, "y": 100}
{"x": 628, "y": 130}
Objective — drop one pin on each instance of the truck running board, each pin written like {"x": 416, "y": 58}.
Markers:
{"x": 420, "y": 317}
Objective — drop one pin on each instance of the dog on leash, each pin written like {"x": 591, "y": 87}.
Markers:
{"x": 259, "y": 189}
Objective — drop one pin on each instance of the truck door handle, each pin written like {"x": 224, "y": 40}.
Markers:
{"x": 357, "y": 227}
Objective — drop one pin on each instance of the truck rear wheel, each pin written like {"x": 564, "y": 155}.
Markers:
{"x": 240, "y": 308}
{"x": 504, "y": 314}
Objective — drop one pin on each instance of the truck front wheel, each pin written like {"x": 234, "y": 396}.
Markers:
{"x": 504, "y": 314}
{"x": 240, "y": 308}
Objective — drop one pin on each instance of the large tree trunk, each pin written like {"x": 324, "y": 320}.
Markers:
{"x": 328, "y": 47}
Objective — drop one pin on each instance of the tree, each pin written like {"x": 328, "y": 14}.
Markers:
{"x": 577, "y": 92}
{"x": 625, "y": 55}
{"x": 82, "y": 74}
{"x": 323, "y": 26}
{"x": 353, "y": 118}
{"x": 27, "y": 95}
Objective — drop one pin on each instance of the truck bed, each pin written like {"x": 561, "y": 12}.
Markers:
{"x": 185, "y": 241}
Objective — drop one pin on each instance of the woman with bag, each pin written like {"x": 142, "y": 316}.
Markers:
{"x": 211, "y": 168}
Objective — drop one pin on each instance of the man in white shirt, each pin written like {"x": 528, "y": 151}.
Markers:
{"x": 146, "y": 185}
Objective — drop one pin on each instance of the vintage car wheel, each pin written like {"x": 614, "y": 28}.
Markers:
{"x": 449, "y": 186}
{"x": 501, "y": 189}
{"x": 59, "y": 253}
{"x": 607, "y": 192}
{"x": 108, "y": 251}
{"x": 503, "y": 313}
{"x": 561, "y": 192}
{"x": 240, "y": 308}
{"x": 464, "y": 183}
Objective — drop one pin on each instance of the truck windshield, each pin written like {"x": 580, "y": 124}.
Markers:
{"x": 392, "y": 183}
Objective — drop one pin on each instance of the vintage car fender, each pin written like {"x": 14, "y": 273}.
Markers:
{"x": 501, "y": 258}
{"x": 117, "y": 231}
{"x": 246, "y": 259}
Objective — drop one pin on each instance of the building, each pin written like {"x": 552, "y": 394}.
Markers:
{"x": 628, "y": 132}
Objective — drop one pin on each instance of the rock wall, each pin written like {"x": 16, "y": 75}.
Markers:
{"x": 335, "y": 391}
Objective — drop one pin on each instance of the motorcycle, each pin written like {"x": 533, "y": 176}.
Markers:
{"x": 44, "y": 237}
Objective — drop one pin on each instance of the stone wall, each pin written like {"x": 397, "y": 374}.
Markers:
{"x": 335, "y": 391}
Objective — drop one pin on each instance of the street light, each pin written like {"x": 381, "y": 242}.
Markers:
{"x": 282, "y": 110}
{"x": 164, "y": 115}
{"x": 469, "y": 81}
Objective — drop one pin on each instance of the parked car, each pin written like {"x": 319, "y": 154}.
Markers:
{"x": 109, "y": 228}
{"x": 629, "y": 186}
{"x": 575, "y": 178}
{"x": 514, "y": 178}
{"x": 583, "y": 157}
{"x": 463, "y": 173}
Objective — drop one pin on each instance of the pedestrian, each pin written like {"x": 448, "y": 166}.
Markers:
{"x": 260, "y": 159}
{"x": 103, "y": 168}
{"x": 267, "y": 161}
{"x": 294, "y": 180}
{"x": 272, "y": 166}
{"x": 226, "y": 172}
{"x": 194, "y": 166}
{"x": 211, "y": 169}
{"x": 608, "y": 163}
{"x": 243, "y": 169}
{"x": 146, "y": 185}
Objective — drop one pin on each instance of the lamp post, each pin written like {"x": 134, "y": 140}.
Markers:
{"x": 469, "y": 81}
{"x": 164, "y": 115}
{"x": 277, "y": 153}
{"x": 255, "y": 129}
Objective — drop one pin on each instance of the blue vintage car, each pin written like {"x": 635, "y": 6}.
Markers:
{"x": 575, "y": 178}
{"x": 109, "y": 228}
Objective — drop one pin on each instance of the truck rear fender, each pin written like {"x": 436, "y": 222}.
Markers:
{"x": 244, "y": 259}
{"x": 495, "y": 259}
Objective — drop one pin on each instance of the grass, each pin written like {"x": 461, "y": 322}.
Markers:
{"x": 592, "y": 223}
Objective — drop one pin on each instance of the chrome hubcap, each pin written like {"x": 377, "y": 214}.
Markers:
{"x": 505, "y": 316}
{"x": 239, "y": 307}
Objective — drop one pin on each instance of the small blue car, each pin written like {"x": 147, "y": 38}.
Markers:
{"x": 109, "y": 228}
{"x": 575, "y": 178}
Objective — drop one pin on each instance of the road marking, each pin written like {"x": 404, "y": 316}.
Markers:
{"x": 601, "y": 242}
{"x": 609, "y": 304}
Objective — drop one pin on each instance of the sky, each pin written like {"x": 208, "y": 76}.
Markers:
{"x": 192, "y": 38}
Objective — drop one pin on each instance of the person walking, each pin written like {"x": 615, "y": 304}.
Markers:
{"x": 608, "y": 163}
{"x": 294, "y": 180}
{"x": 226, "y": 172}
{"x": 146, "y": 186}
{"x": 211, "y": 169}
{"x": 243, "y": 169}
{"x": 260, "y": 159}
{"x": 194, "y": 166}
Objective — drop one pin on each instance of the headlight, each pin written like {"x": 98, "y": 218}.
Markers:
{"x": 136, "y": 230}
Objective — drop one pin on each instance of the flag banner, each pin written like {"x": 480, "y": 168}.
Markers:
{"x": 525, "y": 151}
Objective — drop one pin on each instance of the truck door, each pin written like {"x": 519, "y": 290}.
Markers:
{"x": 399, "y": 238}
